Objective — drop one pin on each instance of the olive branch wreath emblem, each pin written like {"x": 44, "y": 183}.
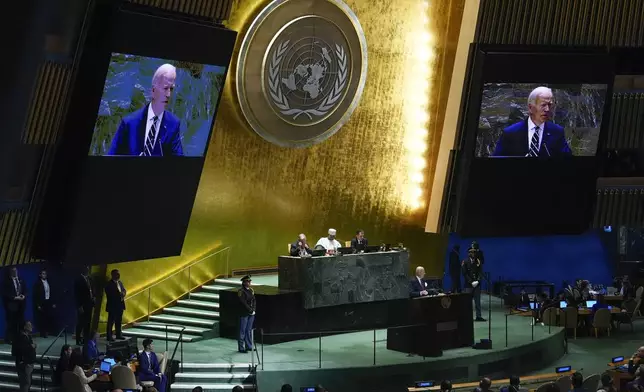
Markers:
{"x": 280, "y": 100}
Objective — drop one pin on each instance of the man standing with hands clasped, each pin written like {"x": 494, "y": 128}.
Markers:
{"x": 247, "y": 298}
{"x": 472, "y": 272}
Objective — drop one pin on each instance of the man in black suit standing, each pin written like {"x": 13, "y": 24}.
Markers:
{"x": 455, "y": 268}
{"x": 24, "y": 351}
{"x": 115, "y": 293}
{"x": 44, "y": 305}
{"x": 359, "y": 243}
{"x": 85, "y": 302}
{"x": 13, "y": 298}
{"x": 418, "y": 286}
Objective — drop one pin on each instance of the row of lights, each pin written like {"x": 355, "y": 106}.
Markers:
{"x": 416, "y": 135}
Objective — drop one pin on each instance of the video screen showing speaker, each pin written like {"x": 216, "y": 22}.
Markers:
{"x": 154, "y": 107}
{"x": 535, "y": 120}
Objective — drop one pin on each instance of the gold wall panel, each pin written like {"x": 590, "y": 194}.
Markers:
{"x": 562, "y": 22}
{"x": 256, "y": 197}
{"x": 17, "y": 228}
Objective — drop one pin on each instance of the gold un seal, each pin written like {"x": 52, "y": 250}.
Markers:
{"x": 301, "y": 70}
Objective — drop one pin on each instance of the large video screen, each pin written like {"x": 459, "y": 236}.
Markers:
{"x": 539, "y": 120}
{"x": 154, "y": 107}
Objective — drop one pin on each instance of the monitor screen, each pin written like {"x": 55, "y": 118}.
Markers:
{"x": 534, "y": 305}
{"x": 563, "y": 369}
{"x": 106, "y": 365}
{"x": 539, "y": 120}
{"x": 152, "y": 107}
{"x": 617, "y": 359}
{"x": 590, "y": 304}
{"x": 563, "y": 304}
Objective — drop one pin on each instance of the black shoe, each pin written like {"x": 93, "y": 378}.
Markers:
{"x": 110, "y": 339}
{"x": 480, "y": 319}
{"x": 121, "y": 337}
{"x": 243, "y": 351}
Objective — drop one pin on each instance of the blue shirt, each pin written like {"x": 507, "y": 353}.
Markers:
{"x": 91, "y": 350}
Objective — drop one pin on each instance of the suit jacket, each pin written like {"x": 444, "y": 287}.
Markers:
{"x": 295, "y": 250}
{"x": 358, "y": 247}
{"x": 9, "y": 293}
{"x": 39, "y": 293}
{"x": 247, "y": 298}
{"x": 415, "y": 287}
{"x": 514, "y": 141}
{"x": 472, "y": 272}
{"x": 130, "y": 135}
{"x": 23, "y": 349}
{"x": 115, "y": 302}
{"x": 148, "y": 367}
{"x": 84, "y": 293}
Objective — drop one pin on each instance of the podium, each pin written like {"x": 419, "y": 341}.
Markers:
{"x": 437, "y": 323}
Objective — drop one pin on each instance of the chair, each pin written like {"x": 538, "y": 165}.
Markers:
{"x": 71, "y": 382}
{"x": 564, "y": 383}
{"x": 638, "y": 292}
{"x": 632, "y": 309}
{"x": 550, "y": 316}
{"x": 543, "y": 387}
{"x": 123, "y": 378}
{"x": 591, "y": 383}
{"x": 569, "y": 319}
{"x": 601, "y": 320}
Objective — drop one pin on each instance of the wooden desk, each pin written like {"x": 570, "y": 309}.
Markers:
{"x": 537, "y": 378}
{"x": 613, "y": 298}
{"x": 589, "y": 311}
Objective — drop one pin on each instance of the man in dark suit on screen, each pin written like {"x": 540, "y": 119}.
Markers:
{"x": 151, "y": 130}
{"x": 535, "y": 136}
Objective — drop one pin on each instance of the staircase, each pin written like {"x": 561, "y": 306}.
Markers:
{"x": 198, "y": 313}
{"x": 9, "y": 375}
{"x": 214, "y": 377}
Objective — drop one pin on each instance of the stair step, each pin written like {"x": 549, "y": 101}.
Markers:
{"x": 198, "y": 377}
{"x": 172, "y": 328}
{"x": 191, "y": 303}
{"x": 7, "y": 354}
{"x": 159, "y": 335}
{"x": 200, "y": 313}
{"x": 205, "y": 296}
{"x": 179, "y": 386}
{"x": 6, "y": 365}
{"x": 190, "y": 367}
{"x": 182, "y": 320}
{"x": 216, "y": 288}
{"x": 14, "y": 375}
{"x": 230, "y": 283}
{"x": 9, "y": 386}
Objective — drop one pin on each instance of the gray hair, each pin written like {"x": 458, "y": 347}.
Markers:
{"x": 166, "y": 70}
{"x": 420, "y": 269}
{"x": 537, "y": 92}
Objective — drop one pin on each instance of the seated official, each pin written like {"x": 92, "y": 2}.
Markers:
{"x": 626, "y": 290}
{"x": 515, "y": 385}
{"x": 90, "y": 351}
{"x": 300, "y": 248}
{"x": 418, "y": 286}
{"x": 606, "y": 384}
{"x": 524, "y": 299}
{"x": 636, "y": 367}
{"x": 484, "y": 385}
{"x": 446, "y": 386}
{"x": 329, "y": 243}
{"x": 577, "y": 380}
{"x": 359, "y": 243}
{"x": 148, "y": 369}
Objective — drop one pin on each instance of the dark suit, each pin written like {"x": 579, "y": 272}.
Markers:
{"x": 357, "y": 247}
{"x": 130, "y": 135}
{"x": 43, "y": 309}
{"x": 455, "y": 270}
{"x": 85, "y": 301}
{"x": 148, "y": 370}
{"x": 295, "y": 250}
{"x": 473, "y": 272}
{"x": 13, "y": 308}
{"x": 115, "y": 307}
{"x": 25, "y": 355}
{"x": 415, "y": 287}
{"x": 514, "y": 141}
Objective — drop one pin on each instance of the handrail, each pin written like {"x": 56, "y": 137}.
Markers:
{"x": 169, "y": 363}
{"x": 177, "y": 272}
{"x": 42, "y": 357}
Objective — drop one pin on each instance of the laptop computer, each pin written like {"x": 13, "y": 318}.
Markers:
{"x": 534, "y": 305}
{"x": 563, "y": 304}
{"x": 590, "y": 304}
{"x": 107, "y": 364}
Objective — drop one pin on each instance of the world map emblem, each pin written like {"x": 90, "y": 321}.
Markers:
{"x": 301, "y": 70}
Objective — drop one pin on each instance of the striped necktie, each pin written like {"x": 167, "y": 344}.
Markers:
{"x": 534, "y": 143}
{"x": 150, "y": 140}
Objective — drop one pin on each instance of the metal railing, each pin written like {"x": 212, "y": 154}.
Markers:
{"x": 42, "y": 358}
{"x": 174, "y": 352}
{"x": 144, "y": 303}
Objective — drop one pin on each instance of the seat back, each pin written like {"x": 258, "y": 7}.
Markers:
{"x": 602, "y": 318}
{"x": 288, "y": 249}
{"x": 123, "y": 378}
{"x": 564, "y": 383}
{"x": 568, "y": 317}
{"x": 550, "y": 316}
{"x": 638, "y": 292}
{"x": 543, "y": 387}
{"x": 71, "y": 382}
{"x": 591, "y": 383}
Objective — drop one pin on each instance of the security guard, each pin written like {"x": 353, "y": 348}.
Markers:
{"x": 247, "y": 298}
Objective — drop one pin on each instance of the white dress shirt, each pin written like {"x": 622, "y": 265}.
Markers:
{"x": 16, "y": 285}
{"x": 83, "y": 378}
{"x": 45, "y": 284}
{"x": 531, "y": 130}
{"x": 148, "y": 126}
{"x": 329, "y": 245}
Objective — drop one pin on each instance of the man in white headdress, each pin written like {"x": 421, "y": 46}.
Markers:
{"x": 329, "y": 243}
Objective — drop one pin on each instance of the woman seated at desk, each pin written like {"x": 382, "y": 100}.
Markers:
{"x": 76, "y": 366}
{"x": 63, "y": 363}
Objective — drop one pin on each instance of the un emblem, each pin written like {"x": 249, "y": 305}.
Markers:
{"x": 301, "y": 70}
